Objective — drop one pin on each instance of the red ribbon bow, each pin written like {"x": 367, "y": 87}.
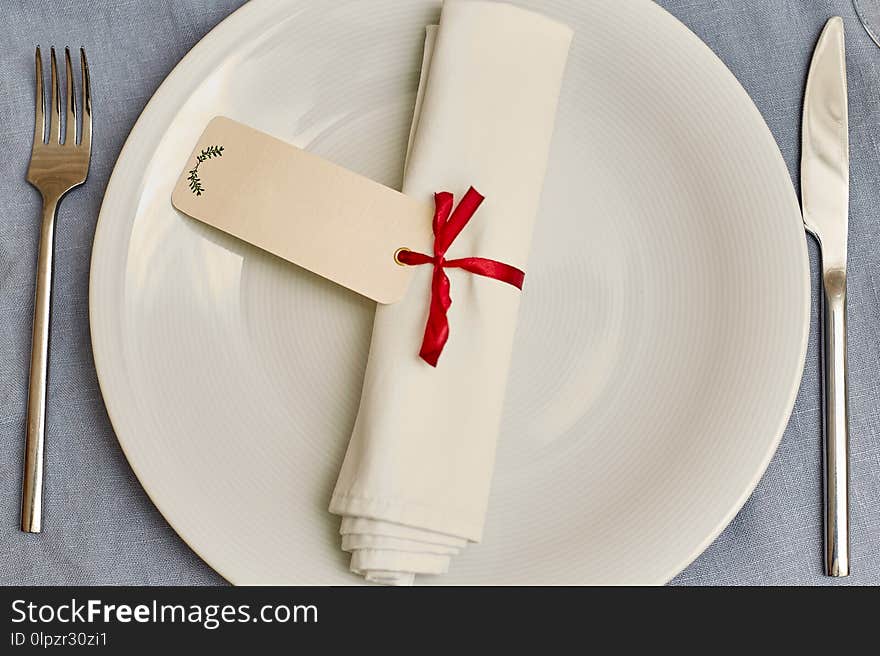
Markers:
{"x": 447, "y": 226}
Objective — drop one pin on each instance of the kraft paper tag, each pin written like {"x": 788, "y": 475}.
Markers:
{"x": 303, "y": 208}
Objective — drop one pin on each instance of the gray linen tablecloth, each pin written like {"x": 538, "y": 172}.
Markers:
{"x": 101, "y": 528}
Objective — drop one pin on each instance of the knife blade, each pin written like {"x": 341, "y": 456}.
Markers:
{"x": 825, "y": 204}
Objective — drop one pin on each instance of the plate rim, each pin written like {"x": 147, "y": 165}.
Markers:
{"x": 184, "y": 68}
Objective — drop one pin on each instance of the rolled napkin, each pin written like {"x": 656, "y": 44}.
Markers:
{"x": 414, "y": 485}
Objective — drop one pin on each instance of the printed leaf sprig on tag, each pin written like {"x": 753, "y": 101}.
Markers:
{"x": 195, "y": 183}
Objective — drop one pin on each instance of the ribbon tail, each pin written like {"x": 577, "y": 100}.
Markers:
{"x": 437, "y": 327}
{"x": 457, "y": 220}
{"x": 442, "y": 209}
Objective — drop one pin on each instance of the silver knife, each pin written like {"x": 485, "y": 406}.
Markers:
{"x": 825, "y": 202}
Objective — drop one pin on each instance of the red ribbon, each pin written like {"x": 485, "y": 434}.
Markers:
{"x": 448, "y": 223}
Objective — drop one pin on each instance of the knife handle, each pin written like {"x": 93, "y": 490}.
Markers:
{"x": 836, "y": 470}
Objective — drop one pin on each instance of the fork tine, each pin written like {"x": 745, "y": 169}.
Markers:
{"x": 86, "y": 131}
{"x": 40, "y": 102}
{"x": 70, "y": 123}
{"x": 55, "y": 116}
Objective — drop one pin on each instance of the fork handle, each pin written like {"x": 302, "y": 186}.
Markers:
{"x": 35, "y": 436}
{"x": 836, "y": 424}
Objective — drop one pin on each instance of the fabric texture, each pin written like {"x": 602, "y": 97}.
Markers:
{"x": 100, "y": 527}
{"x": 423, "y": 447}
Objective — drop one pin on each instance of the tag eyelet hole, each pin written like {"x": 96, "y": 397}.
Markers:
{"x": 397, "y": 254}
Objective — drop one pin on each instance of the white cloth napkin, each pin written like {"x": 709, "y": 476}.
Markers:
{"x": 415, "y": 482}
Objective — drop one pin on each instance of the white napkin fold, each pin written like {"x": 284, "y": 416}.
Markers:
{"x": 415, "y": 482}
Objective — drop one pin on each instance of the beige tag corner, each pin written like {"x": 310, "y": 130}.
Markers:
{"x": 303, "y": 208}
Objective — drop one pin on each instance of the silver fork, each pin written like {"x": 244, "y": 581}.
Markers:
{"x": 56, "y": 167}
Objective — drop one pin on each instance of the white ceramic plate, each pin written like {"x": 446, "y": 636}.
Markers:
{"x": 660, "y": 344}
